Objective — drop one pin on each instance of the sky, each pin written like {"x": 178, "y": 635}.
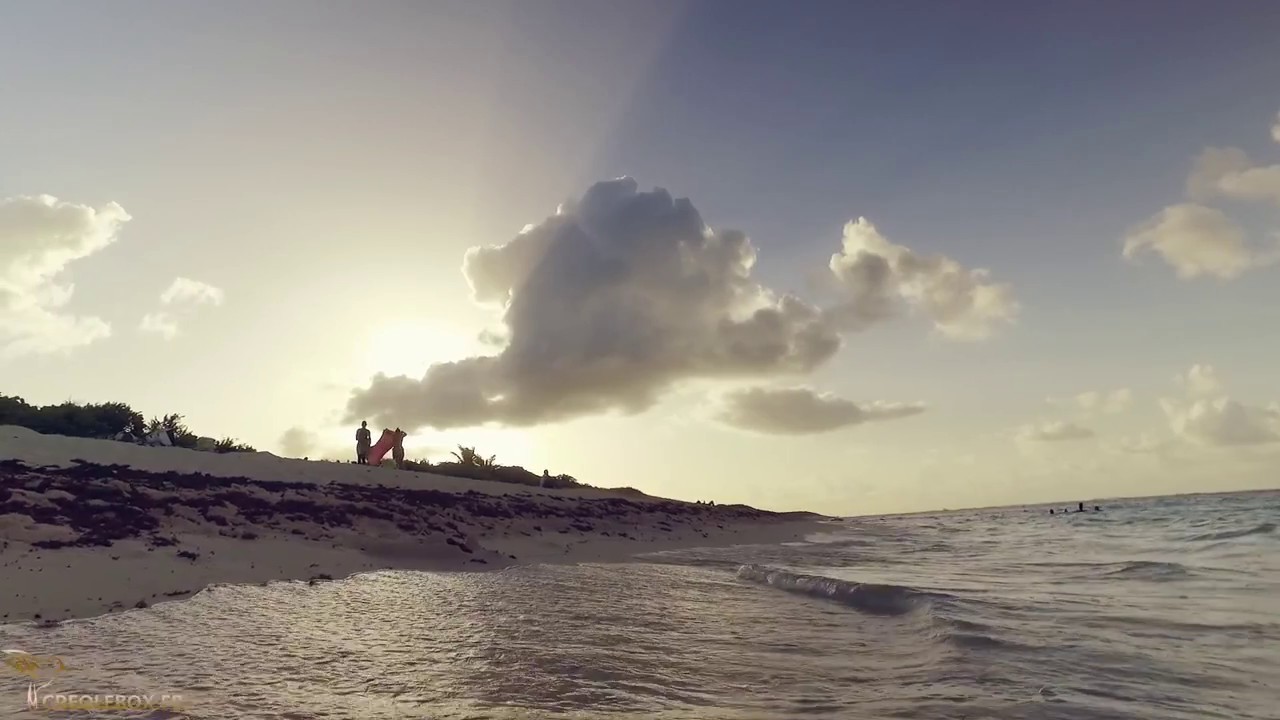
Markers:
{"x": 865, "y": 258}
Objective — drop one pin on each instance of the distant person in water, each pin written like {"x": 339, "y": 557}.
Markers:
{"x": 1080, "y": 507}
{"x": 1050, "y": 511}
{"x": 363, "y": 442}
{"x": 397, "y": 450}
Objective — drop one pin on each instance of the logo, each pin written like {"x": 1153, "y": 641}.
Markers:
{"x": 37, "y": 667}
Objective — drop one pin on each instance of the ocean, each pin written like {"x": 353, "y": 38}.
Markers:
{"x": 1152, "y": 609}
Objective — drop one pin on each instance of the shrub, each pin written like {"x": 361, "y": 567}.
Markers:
{"x": 231, "y": 445}
{"x": 102, "y": 420}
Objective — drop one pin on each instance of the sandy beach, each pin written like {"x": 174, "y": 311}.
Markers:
{"x": 95, "y": 526}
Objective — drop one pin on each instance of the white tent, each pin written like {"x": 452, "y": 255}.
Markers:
{"x": 160, "y": 438}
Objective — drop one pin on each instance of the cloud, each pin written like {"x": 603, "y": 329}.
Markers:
{"x": 1275, "y": 129}
{"x": 607, "y": 304}
{"x": 179, "y": 300}
{"x": 1054, "y": 431}
{"x": 40, "y": 237}
{"x": 1223, "y": 422}
{"x": 1141, "y": 444}
{"x": 159, "y": 323}
{"x": 298, "y": 442}
{"x": 1228, "y": 172}
{"x": 617, "y": 297}
{"x": 1207, "y": 416}
{"x": 1201, "y": 381}
{"x": 1196, "y": 241}
{"x": 881, "y": 278}
{"x": 799, "y": 411}
{"x": 184, "y": 291}
{"x": 1106, "y": 403}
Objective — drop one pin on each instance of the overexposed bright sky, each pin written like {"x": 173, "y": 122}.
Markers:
{"x": 860, "y": 259}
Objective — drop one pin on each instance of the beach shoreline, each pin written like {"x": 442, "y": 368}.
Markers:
{"x": 89, "y": 527}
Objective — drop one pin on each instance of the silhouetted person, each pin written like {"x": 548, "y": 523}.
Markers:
{"x": 1050, "y": 511}
{"x": 1080, "y": 507}
{"x": 546, "y": 478}
{"x": 1097, "y": 508}
{"x": 397, "y": 450}
{"x": 363, "y": 442}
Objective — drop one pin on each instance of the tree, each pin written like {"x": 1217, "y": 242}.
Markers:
{"x": 469, "y": 456}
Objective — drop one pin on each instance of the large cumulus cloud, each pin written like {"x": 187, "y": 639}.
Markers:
{"x": 619, "y": 295}
{"x": 606, "y": 304}
{"x": 40, "y": 237}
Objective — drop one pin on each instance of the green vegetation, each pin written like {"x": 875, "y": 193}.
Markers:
{"x": 471, "y": 464}
{"x": 231, "y": 445}
{"x": 103, "y": 420}
{"x": 110, "y": 421}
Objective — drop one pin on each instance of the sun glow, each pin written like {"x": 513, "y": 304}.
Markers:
{"x": 402, "y": 347}
{"x": 409, "y": 348}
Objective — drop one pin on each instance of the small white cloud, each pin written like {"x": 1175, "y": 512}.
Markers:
{"x": 1210, "y": 167}
{"x": 1091, "y": 401}
{"x": 1255, "y": 183}
{"x": 1201, "y": 381}
{"x": 1196, "y": 241}
{"x": 1053, "y": 431}
{"x": 879, "y": 277}
{"x": 159, "y": 323}
{"x": 801, "y": 411}
{"x": 1201, "y": 241}
{"x": 1207, "y": 416}
{"x": 1141, "y": 444}
{"x": 184, "y": 291}
{"x": 1117, "y": 402}
{"x": 180, "y": 299}
{"x": 1223, "y": 422}
{"x": 40, "y": 237}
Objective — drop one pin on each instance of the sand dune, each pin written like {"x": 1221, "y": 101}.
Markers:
{"x": 93, "y": 526}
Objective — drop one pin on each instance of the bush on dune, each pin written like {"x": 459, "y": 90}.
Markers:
{"x": 231, "y": 445}
{"x": 112, "y": 420}
{"x": 469, "y": 463}
{"x": 101, "y": 420}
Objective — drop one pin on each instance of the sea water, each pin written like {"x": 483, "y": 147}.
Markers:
{"x": 1160, "y": 609}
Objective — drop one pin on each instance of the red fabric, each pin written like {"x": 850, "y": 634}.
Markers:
{"x": 381, "y": 447}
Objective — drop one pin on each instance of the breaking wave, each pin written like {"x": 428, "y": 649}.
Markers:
{"x": 1263, "y": 529}
{"x": 869, "y": 598}
{"x": 1150, "y": 570}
